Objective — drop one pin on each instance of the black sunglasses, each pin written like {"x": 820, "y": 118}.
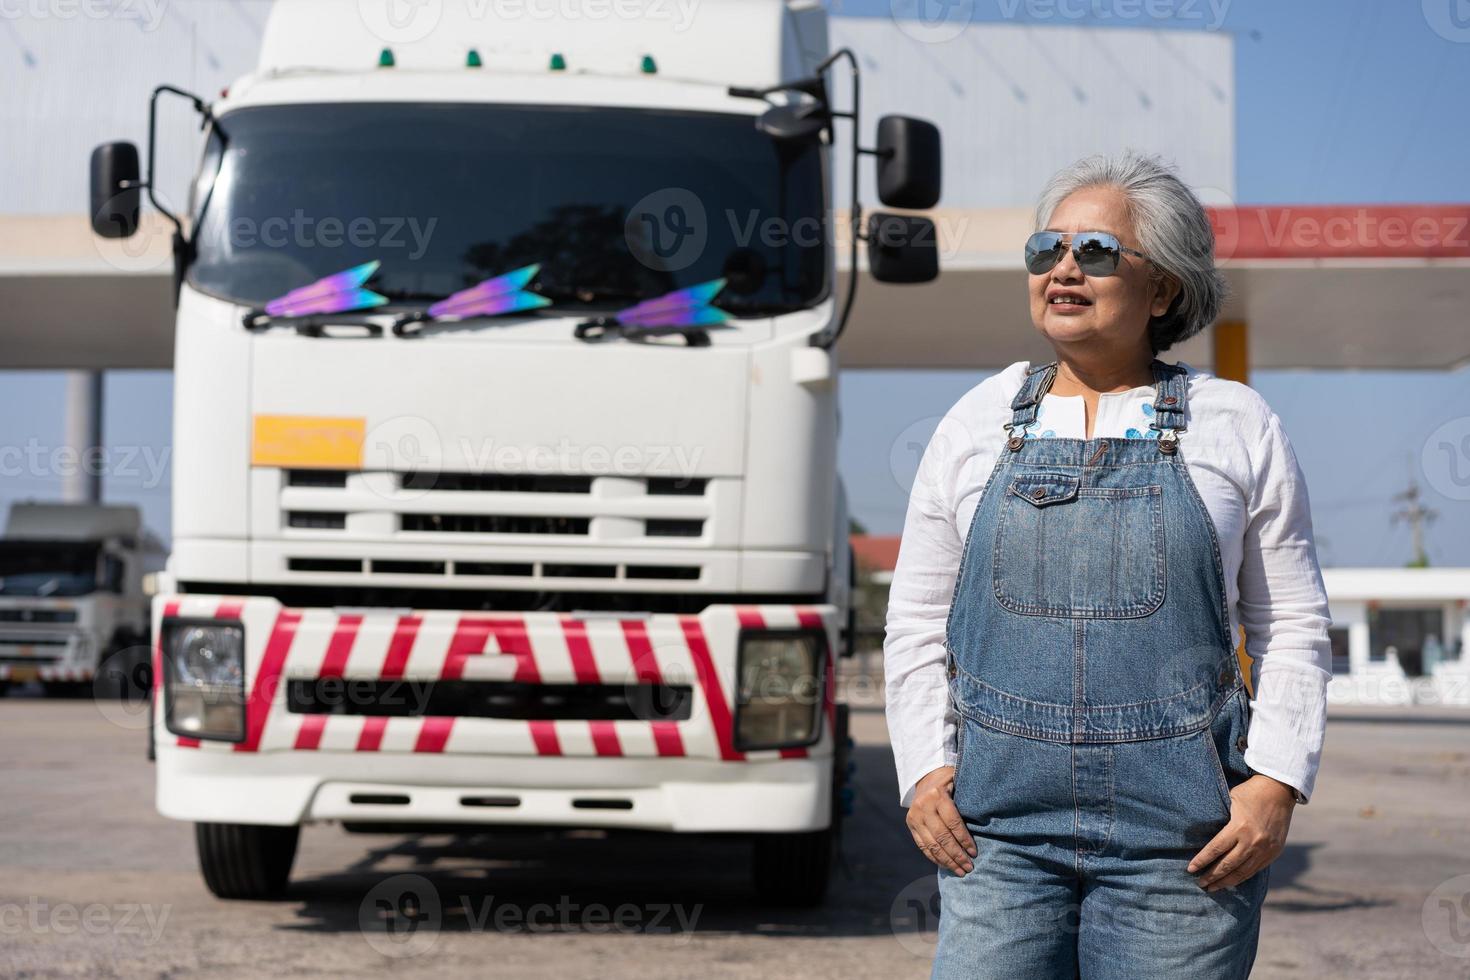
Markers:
{"x": 1097, "y": 252}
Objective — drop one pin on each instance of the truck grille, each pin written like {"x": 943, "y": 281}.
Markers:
{"x": 493, "y": 699}
{"x": 529, "y": 570}
{"x": 494, "y": 524}
{"x": 510, "y": 530}
{"x": 38, "y": 616}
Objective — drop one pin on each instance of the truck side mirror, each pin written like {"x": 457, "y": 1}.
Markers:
{"x": 112, "y": 574}
{"x": 908, "y": 162}
{"x": 902, "y": 248}
{"x": 115, "y": 190}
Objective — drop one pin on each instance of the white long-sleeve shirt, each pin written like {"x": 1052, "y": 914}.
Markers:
{"x": 1244, "y": 468}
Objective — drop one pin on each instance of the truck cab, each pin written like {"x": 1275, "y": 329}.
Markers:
{"x": 543, "y": 569}
{"x": 73, "y": 611}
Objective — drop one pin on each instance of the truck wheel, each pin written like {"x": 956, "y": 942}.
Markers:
{"x": 4, "y": 688}
{"x": 792, "y": 869}
{"x": 246, "y": 860}
{"x": 66, "y": 689}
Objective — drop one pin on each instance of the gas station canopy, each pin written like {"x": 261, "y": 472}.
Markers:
{"x": 1317, "y": 287}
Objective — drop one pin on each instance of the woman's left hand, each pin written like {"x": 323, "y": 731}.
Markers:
{"x": 1260, "y": 814}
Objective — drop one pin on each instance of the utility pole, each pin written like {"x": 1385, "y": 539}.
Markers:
{"x": 1416, "y": 515}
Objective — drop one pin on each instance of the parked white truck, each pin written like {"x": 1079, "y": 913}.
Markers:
{"x": 543, "y": 569}
{"x": 73, "y": 609}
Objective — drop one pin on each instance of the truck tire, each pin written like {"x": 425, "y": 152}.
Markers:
{"x": 246, "y": 861}
{"x": 792, "y": 869}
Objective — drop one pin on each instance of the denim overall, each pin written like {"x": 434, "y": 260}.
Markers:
{"x": 1102, "y": 713}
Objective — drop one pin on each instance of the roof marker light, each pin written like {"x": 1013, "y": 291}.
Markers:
{"x": 649, "y": 67}
{"x": 558, "y": 63}
{"x": 472, "y": 60}
{"x": 385, "y": 59}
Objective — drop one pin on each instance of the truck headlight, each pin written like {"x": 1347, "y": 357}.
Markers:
{"x": 205, "y": 667}
{"x": 779, "y": 696}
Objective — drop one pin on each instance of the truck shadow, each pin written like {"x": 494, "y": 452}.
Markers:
{"x": 530, "y": 882}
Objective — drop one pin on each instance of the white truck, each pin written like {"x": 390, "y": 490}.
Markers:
{"x": 547, "y": 569}
{"x": 73, "y": 608}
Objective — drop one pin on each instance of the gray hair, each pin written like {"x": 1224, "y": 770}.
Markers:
{"x": 1173, "y": 230}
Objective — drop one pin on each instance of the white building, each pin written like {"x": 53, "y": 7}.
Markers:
{"x": 1399, "y": 635}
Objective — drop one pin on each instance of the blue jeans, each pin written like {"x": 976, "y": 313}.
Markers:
{"x": 1081, "y": 873}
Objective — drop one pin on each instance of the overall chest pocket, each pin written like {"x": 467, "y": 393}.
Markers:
{"x": 1062, "y": 549}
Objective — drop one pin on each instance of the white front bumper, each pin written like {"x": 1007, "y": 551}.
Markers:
{"x": 682, "y": 795}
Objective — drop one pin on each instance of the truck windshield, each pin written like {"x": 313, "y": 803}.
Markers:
{"x": 47, "y": 568}
{"x": 617, "y": 205}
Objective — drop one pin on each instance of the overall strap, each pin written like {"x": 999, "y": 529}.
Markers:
{"x": 1023, "y": 407}
{"x": 1170, "y": 394}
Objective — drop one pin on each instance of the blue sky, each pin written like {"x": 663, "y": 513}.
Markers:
{"x": 1357, "y": 101}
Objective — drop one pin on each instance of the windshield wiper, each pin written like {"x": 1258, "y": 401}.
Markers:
{"x": 313, "y": 324}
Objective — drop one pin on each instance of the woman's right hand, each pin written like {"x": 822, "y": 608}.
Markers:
{"x": 937, "y": 826}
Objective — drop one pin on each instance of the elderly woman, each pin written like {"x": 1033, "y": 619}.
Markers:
{"x": 1084, "y": 542}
